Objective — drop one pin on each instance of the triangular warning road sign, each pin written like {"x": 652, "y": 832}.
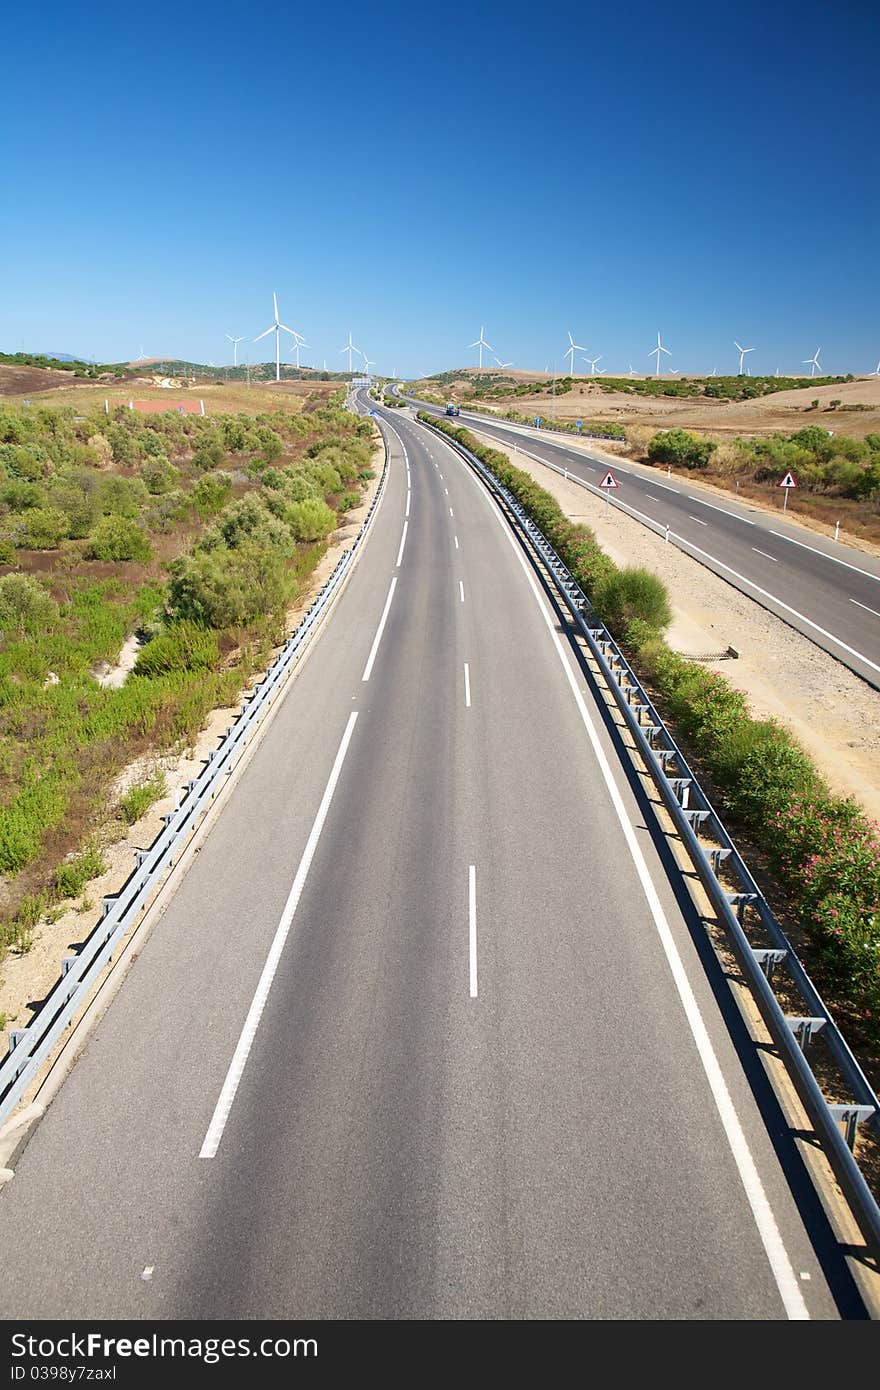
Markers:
{"x": 609, "y": 480}
{"x": 788, "y": 480}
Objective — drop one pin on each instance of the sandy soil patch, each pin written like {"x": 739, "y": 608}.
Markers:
{"x": 25, "y": 980}
{"x": 830, "y": 710}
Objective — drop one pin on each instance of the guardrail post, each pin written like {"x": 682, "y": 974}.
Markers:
{"x": 851, "y": 1116}
{"x": 769, "y": 959}
{"x": 804, "y": 1029}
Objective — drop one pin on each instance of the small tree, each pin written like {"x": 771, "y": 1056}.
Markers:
{"x": 680, "y": 449}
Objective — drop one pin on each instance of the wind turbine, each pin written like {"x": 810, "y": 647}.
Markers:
{"x": 235, "y": 342}
{"x": 631, "y": 369}
{"x": 277, "y": 328}
{"x": 570, "y": 352}
{"x": 503, "y": 364}
{"x": 142, "y": 358}
{"x": 742, "y": 352}
{"x": 299, "y": 342}
{"x": 813, "y": 362}
{"x": 876, "y": 371}
{"x": 593, "y": 361}
{"x": 673, "y": 371}
{"x": 368, "y": 363}
{"x": 655, "y": 352}
{"x": 481, "y": 343}
{"x": 350, "y": 348}
{"x": 714, "y": 371}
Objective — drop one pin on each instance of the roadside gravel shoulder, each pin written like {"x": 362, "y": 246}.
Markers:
{"x": 830, "y": 710}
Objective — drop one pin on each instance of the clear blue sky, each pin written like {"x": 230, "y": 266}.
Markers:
{"x": 412, "y": 171}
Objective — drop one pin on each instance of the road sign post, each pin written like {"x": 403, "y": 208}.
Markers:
{"x": 788, "y": 482}
{"x": 607, "y": 484}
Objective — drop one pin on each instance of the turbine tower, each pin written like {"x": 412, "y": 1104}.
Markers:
{"x": 299, "y": 342}
{"x": 350, "y": 348}
{"x": 655, "y": 352}
{"x": 277, "y": 327}
{"x": 481, "y": 343}
{"x": 814, "y": 363}
{"x": 570, "y": 352}
{"x": 742, "y": 352}
{"x": 235, "y": 342}
{"x": 593, "y": 361}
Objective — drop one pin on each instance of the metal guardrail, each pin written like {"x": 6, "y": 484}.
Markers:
{"x": 692, "y": 812}
{"x": 29, "y": 1047}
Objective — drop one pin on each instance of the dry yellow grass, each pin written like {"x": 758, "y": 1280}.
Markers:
{"x": 225, "y": 398}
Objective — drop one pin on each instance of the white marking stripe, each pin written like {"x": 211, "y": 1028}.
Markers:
{"x": 766, "y": 556}
{"x": 698, "y": 521}
{"x": 815, "y": 626}
{"x": 379, "y": 630}
{"x": 461, "y": 589}
{"x": 701, "y": 503}
{"x": 455, "y": 538}
{"x": 451, "y": 513}
{"x": 865, "y": 606}
{"x": 258, "y": 1004}
{"x": 472, "y": 926}
{"x": 824, "y": 553}
{"x": 408, "y": 496}
{"x": 467, "y": 686}
{"x": 402, "y": 544}
{"x": 765, "y": 1221}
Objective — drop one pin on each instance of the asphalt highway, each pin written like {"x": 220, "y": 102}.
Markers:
{"x": 828, "y": 591}
{"x": 423, "y": 1032}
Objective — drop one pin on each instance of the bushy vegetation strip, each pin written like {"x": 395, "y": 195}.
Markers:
{"x": 822, "y": 848}
{"x": 198, "y": 535}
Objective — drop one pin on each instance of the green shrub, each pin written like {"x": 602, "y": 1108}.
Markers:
{"x": 680, "y": 449}
{"x": 73, "y": 875}
{"x": 181, "y": 646}
{"x": 211, "y": 493}
{"x": 310, "y": 520}
{"x": 139, "y": 798}
{"x": 40, "y": 528}
{"x": 631, "y": 594}
{"x": 118, "y": 538}
{"x": 226, "y": 588}
{"x": 159, "y": 475}
{"x": 26, "y": 608}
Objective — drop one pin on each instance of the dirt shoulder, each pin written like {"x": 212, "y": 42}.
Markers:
{"x": 830, "y": 710}
{"x": 26, "y": 979}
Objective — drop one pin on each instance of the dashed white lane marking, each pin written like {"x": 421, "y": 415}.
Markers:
{"x": 379, "y": 630}
{"x": 698, "y": 521}
{"x": 865, "y": 606}
{"x": 765, "y": 1221}
{"x": 467, "y": 686}
{"x": 402, "y": 544}
{"x": 455, "y": 538}
{"x": 148, "y": 1273}
{"x": 258, "y": 1004}
{"x": 451, "y": 512}
{"x": 846, "y": 564}
{"x": 461, "y": 589}
{"x": 408, "y": 496}
{"x": 472, "y": 926}
{"x": 766, "y": 556}
{"x": 446, "y": 490}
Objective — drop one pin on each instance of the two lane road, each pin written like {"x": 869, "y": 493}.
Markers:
{"x": 422, "y": 1032}
{"x": 828, "y": 591}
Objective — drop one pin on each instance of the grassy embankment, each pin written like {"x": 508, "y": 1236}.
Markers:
{"x": 196, "y": 533}
{"x": 822, "y": 853}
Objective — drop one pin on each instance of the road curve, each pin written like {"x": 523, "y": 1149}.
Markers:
{"x": 828, "y": 591}
{"x": 408, "y": 1041}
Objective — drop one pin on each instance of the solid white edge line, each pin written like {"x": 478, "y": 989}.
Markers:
{"x": 804, "y": 619}
{"x": 765, "y": 1221}
{"x": 467, "y": 686}
{"x": 379, "y": 630}
{"x": 825, "y": 556}
{"x": 865, "y": 606}
{"x": 255, "y": 1012}
{"x": 472, "y": 927}
{"x": 402, "y": 544}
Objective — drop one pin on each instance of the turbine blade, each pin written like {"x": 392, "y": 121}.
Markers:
{"x": 264, "y": 335}
{"x": 275, "y": 302}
